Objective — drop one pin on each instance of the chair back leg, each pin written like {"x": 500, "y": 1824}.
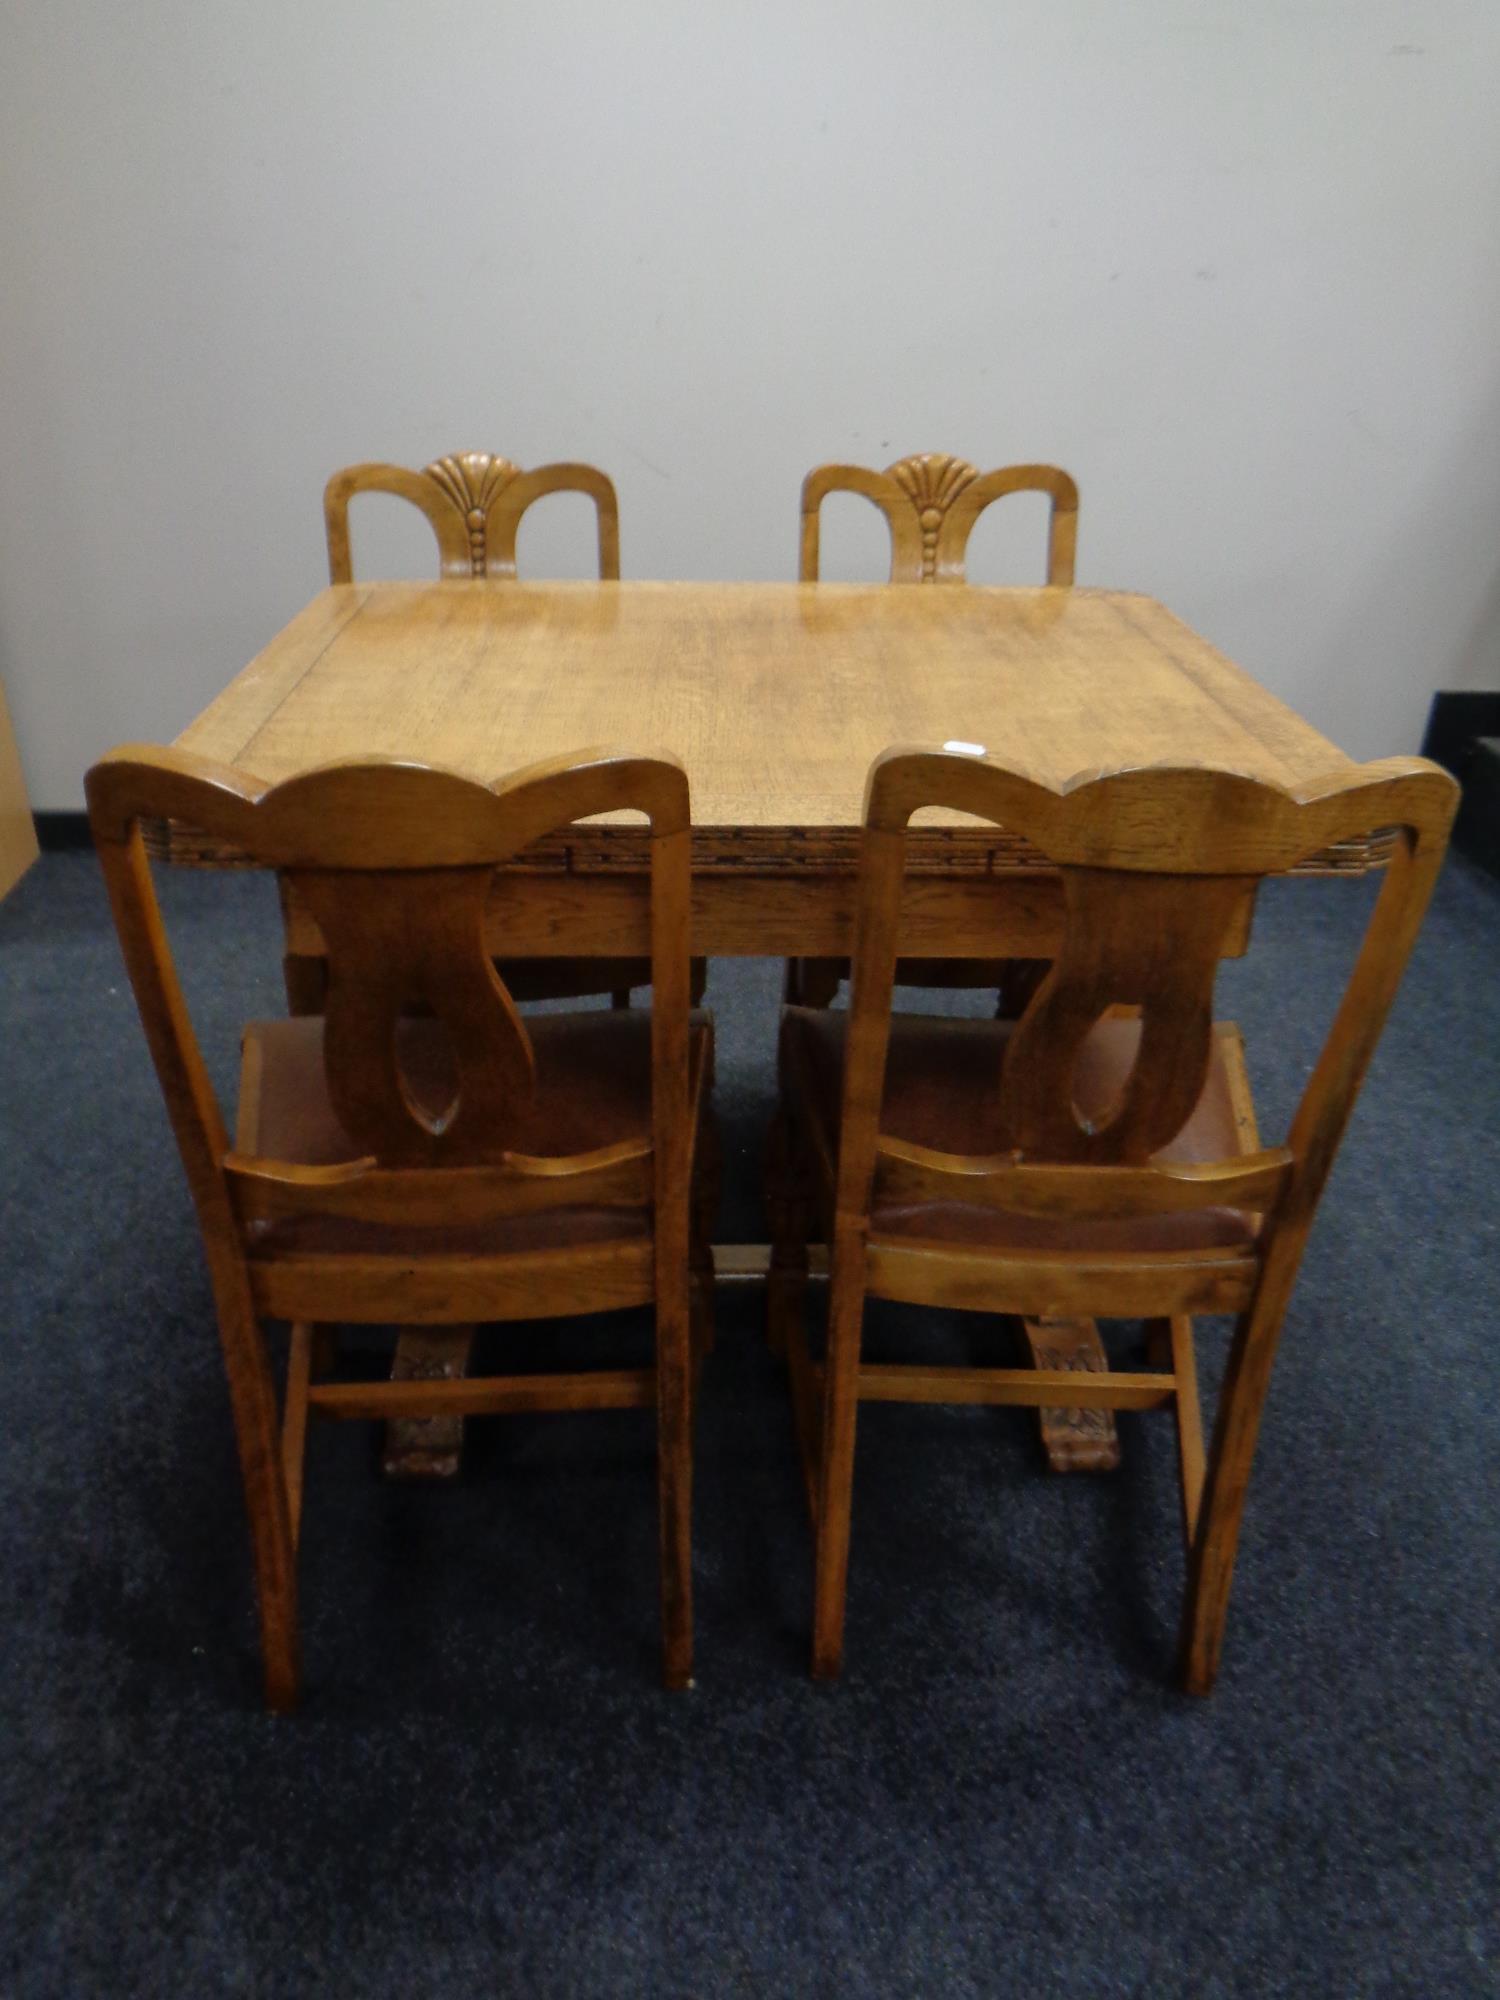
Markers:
{"x": 1225, "y": 1485}
{"x": 674, "y": 1462}
{"x": 836, "y": 1466}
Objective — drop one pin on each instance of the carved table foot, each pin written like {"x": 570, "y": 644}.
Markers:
{"x": 1074, "y": 1440}
{"x": 427, "y": 1447}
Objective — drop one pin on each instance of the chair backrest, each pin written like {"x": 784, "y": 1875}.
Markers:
{"x": 474, "y": 501}
{"x": 396, "y": 861}
{"x": 931, "y": 502}
{"x": 1154, "y": 863}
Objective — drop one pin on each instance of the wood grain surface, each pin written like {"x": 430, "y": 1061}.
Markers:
{"x": 776, "y": 697}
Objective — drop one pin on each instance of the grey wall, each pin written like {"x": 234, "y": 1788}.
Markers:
{"x": 1234, "y": 266}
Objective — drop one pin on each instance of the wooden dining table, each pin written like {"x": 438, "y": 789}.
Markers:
{"x": 776, "y": 698}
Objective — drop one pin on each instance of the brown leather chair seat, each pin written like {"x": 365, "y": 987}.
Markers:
{"x": 593, "y": 1089}
{"x": 941, "y": 1083}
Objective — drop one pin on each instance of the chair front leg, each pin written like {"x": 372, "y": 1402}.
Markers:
{"x": 787, "y": 1197}
{"x": 304, "y": 973}
{"x": 702, "y": 1308}
{"x": 836, "y": 1466}
{"x": 708, "y": 1183}
{"x": 813, "y": 982}
{"x": 1019, "y": 980}
{"x": 674, "y": 1463}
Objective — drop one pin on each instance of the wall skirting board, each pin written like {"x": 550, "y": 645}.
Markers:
{"x": 1463, "y": 735}
{"x": 57, "y": 831}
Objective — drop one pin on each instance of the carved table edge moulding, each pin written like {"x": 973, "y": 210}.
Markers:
{"x": 767, "y": 850}
{"x": 345, "y": 622}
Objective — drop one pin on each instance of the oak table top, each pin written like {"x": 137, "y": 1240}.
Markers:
{"x": 776, "y": 697}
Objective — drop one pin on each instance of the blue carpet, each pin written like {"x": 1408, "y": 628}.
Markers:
{"x": 486, "y": 1790}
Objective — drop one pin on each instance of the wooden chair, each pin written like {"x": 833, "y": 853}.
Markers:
{"x": 474, "y": 501}
{"x": 931, "y": 502}
{"x": 1100, "y": 1156}
{"x": 420, "y": 1155}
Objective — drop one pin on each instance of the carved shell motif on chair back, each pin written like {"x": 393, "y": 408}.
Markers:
{"x": 932, "y": 481}
{"x": 931, "y": 501}
{"x": 474, "y": 501}
{"x": 471, "y": 480}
